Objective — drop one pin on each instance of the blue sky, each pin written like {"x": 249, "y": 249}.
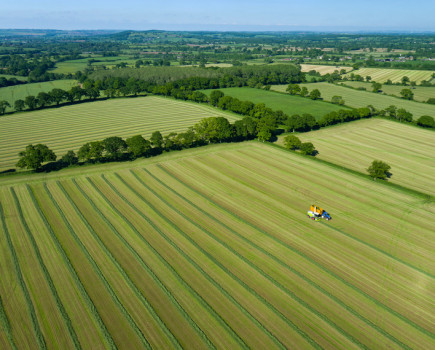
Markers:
{"x": 370, "y": 15}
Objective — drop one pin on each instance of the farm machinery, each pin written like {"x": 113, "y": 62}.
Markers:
{"x": 317, "y": 213}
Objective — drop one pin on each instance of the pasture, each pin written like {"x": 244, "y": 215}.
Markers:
{"x": 408, "y": 150}
{"x": 68, "y": 128}
{"x": 213, "y": 249}
{"x": 288, "y": 104}
{"x": 324, "y": 69}
{"x": 17, "y": 92}
{"x": 381, "y": 75}
{"x": 356, "y": 98}
{"x": 421, "y": 93}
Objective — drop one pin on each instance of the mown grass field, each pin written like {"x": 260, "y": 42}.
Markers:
{"x": 73, "y": 66}
{"x": 356, "y": 99}
{"x": 212, "y": 249}
{"x": 421, "y": 93}
{"x": 68, "y": 128}
{"x": 288, "y": 104}
{"x": 17, "y": 92}
{"x": 18, "y": 77}
{"x": 324, "y": 69}
{"x": 381, "y": 75}
{"x": 408, "y": 150}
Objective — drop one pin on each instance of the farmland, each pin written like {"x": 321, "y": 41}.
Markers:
{"x": 408, "y": 150}
{"x": 355, "y": 98}
{"x": 65, "y": 128}
{"x": 324, "y": 69}
{"x": 288, "y": 104}
{"x": 381, "y": 75}
{"x": 212, "y": 249}
{"x": 13, "y": 93}
{"x": 421, "y": 93}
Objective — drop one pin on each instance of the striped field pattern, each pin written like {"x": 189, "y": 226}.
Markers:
{"x": 212, "y": 249}
{"x": 68, "y": 128}
{"x": 408, "y": 150}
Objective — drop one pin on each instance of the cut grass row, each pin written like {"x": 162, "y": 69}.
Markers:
{"x": 258, "y": 269}
{"x": 40, "y": 340}
{"x": 323, "y": 292}
{"x": 229, "y": 239}
{"x": 66, "y": 128}
{"x": 203, "y": 273}
{"x": 89, "y": 306}
{"x": 48, "y": 278}
{"x": 357, "y": 99}
{"x": 288, "y": 104}
{"x": 176, "y": 228}
{"x": 323, "y": 69}
{"x": 216, "y": 251}
{"x": 208, "y": 176}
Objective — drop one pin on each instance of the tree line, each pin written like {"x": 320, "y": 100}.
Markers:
{"x": 207, "y": 131}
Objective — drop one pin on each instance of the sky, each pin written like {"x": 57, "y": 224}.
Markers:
{"x": 250, "y": 15}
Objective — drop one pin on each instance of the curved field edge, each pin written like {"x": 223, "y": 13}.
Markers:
{"x": 408, "y": 150}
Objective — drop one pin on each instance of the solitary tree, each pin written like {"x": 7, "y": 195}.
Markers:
{"x": 379, "y": 170}
{"x": 33, "y": 156}
{"x": 338, "y": 100}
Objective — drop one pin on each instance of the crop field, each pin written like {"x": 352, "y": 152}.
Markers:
{"x": 381, "y": 75}
{"x": 356, "y": 98}
{"x": 408, "y": 150}
{"x": 17, "y": 92}
{"x": 421, "y": 93}
{"x": 213, "y": 249}
{"x": 68, "y": 128}
{"x": 288, "y": 104}
{"x": 323, "y": 69}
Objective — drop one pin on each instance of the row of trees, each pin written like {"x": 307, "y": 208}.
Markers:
{"x": 208, "y": 130}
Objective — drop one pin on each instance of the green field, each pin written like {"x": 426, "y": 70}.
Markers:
{"x": 288, "y": 104}
{"x": 17, "y": 92}
{"x": 212, "y": 248}
{"x": 381, "y": 75}
{"x": 421, "y": 93}
{"x": 408, "y": 150}
{"x": 65, "y": 128}
{"x": 355, "y": 98}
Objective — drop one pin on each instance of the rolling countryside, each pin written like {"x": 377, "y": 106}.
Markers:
{"x": 210, "y": 249}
